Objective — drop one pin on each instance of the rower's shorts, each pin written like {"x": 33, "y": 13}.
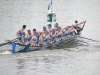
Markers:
{"x": 59, "y": 36}
{"x": 75, "y": 27}
{"x": 19, "y": 39}
{"x": 71, "y": 33}
{"x": 64, "y": 36}
{"x": 46, "y": 40}
{"x": 25, "y": 41}
{"x": 36, "y": 43}
{"x": 53, "y": 39}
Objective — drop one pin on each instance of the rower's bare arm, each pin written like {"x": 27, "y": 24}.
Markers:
{"x": 82, "y": 22}
{"x": 62, "y": 29}
{"x": 49, "y": 30}
{"x": 18, "y": 33}
{"x": 27, "y": 36}
{"x": 40, "y": 38}
{"x": 55, "y": 34}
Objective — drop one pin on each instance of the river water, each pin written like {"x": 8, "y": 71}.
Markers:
{"x": 75, "y": 58}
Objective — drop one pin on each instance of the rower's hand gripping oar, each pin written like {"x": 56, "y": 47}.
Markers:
{"x": 2, "y": 44}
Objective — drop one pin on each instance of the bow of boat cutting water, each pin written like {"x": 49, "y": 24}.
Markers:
{"x": 78, "y": 57}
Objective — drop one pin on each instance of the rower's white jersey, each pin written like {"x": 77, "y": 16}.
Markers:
{"x": 80, "y": 26}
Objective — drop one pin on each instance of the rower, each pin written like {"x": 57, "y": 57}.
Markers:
{"x": 52, "y": 32}
{"x": 24, "y": 39}
{"x": 53, "y": 36}
{"x": 43, "y": 38}
{"x": 72, "y": 31}
{"x": 59, "y": 34}
{"x": 77, "y": 25}
{"x": 34, "y": 41}
{"x": 35, "y": 33}
{"x": 44, "y": 35}
{"x": 29, "y": 35}
{"x": 57, "y": 27}
{"x": 65, "y": 32}
{"x": 69, "y": 31}
{"x": 59, "y": 31}
{"x": 35, "y": 38}
{"x": 45, "y": 31}
{"x": 20, "y": 32}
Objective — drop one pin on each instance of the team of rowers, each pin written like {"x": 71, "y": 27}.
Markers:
{"x": 48, "y": 34}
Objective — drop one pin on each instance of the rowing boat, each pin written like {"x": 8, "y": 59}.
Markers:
{"x": 51, "y": 19}
{"x": 17, "y": 47}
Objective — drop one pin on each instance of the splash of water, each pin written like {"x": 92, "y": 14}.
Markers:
{"x": 6, "y": 52}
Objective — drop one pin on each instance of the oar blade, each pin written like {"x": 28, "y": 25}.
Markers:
{"x": 2, "y": 44}
{"x": 10, "y": 41}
